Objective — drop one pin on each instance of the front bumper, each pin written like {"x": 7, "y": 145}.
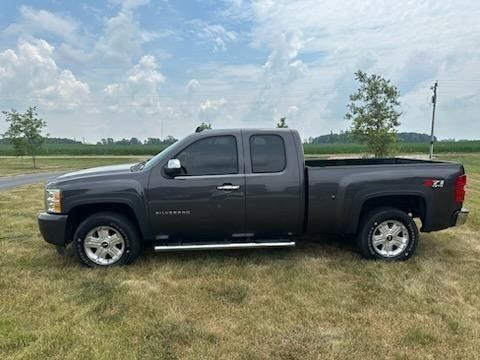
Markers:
{"x": 461, "y": 217}
{"x": 52, "y": 227}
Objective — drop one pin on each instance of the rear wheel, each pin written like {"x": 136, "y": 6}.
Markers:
{"x": 387, "y": 234}
{"x": 106, "y": 239}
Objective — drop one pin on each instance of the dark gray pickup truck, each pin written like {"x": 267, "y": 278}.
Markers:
{"x": 248, "y": 188}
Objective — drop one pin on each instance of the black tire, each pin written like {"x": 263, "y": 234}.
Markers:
{"x": 131, "y": 245}
{"x": 369, "y": 225}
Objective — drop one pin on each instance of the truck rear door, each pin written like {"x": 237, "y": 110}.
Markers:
{"x": 273, "y": 184}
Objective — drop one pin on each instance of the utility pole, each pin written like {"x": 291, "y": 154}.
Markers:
{"x": 434, "y": 101}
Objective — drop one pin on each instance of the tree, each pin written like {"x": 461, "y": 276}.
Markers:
{"x": 135, "y": 141}
{"x": 373, "y": 111}
{"x": 152, "y": 141}
{"x": 169, "y": 140}
{"x": 107, "y": 141}
{"x": 282, "y": 123}
{"x": 25, "y": 131}
{"x": 203, "y": 126}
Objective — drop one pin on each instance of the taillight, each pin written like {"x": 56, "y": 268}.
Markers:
{"x": 460, "y": 188}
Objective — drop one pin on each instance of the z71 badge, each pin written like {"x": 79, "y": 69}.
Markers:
{"x": 434, "y": 183}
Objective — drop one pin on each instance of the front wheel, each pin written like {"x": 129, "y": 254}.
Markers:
{"x": 387, "y": 234}
{"x": 106, "y": 239}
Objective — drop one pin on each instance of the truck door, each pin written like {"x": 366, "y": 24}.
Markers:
{"x": 206, "y": 200}
{"x": 273, "y": 184}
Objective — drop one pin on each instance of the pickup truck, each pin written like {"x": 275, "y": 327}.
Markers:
{"x": 249, "y": 188}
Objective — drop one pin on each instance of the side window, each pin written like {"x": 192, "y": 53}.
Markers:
{"x": 268, "y": 153}
{"x": 216, "y": 155}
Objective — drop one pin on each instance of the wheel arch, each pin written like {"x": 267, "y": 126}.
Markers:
{"x": 80, "y": 212}
{"x": 411, "y": 203}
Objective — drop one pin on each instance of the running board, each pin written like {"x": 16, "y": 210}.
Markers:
{"x": 224, "y": 246}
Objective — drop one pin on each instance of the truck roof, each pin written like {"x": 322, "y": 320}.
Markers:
{"x": 230, "y": 131}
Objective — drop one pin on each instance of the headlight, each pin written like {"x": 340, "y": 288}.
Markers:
{"x": 52, "y": 200}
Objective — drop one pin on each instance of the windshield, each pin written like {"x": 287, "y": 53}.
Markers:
{"x": 159, "y": 157}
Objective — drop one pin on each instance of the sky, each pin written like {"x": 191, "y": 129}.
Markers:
{"x": 140, "y": 68}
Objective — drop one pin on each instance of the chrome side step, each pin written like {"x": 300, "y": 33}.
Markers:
{"x": 224, "y": 246}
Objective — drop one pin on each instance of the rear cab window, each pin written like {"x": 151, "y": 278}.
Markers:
{"x": 267, "y": 152}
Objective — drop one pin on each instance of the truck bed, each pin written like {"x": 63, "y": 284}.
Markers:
{"x": 337, "y": 190}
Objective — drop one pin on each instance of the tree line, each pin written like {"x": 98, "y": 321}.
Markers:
{"x": 346, "y": 137}
{"x": 49, "y": 140}
{"x": 134, "y": 141}
{"x": 343, "y": 137}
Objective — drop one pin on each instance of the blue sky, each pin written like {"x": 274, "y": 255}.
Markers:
{"x": 124, "y": 68}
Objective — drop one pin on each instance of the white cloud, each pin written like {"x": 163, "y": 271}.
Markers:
{"x": 123, "y": 36}
{"x": 192, "y": 87}
{"x": 138, "y": 91}
{"x": 215, "y": 35}
{"x": 212, "y": 105}
{"x": 30, "y": 75}
{"x": 41, "y": 21}
{"x": 279, "y": 74}
{"x": 74, "y": 55}
{"x": 281, "y": 59}
{"x": 130, "y": 4}
{"x": 211, "y": 111}
{"x": 66, "y": 90}
{"x": 120, "y": 41}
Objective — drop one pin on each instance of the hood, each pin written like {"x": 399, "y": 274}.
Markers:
{"x": 102, "y": 170}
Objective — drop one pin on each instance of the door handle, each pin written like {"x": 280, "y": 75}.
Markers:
{"x": 228, "y": 187}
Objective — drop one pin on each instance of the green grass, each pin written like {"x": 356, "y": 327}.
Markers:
{"x": 148, "y": 150}
{"x": 314, "y": 301}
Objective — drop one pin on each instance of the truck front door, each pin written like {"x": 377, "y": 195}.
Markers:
{"x": 205, "y": 201}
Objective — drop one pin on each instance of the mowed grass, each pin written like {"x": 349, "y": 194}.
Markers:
{"x": 11, "y": 165}
{"x": 317, "y": 301}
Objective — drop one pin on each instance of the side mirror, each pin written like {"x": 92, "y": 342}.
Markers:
{"x": 173, "y": 167}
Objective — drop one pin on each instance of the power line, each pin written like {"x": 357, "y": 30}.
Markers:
{"x": 434, "y": 101}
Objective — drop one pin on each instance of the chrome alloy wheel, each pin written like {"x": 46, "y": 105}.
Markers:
{"x": 104, "y": 245}
{"x": 390, "y": 238}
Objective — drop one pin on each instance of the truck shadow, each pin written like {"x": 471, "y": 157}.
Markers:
{"x": 327, "y": 248}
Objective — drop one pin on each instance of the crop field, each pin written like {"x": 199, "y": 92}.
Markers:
{"x": 85, "y": 149}
{"x": 148, "y": 150}
{"x": 316, "y": 301}
{"x": 401, "y": 148}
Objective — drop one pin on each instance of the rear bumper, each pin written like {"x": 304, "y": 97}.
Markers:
{"x": 52, "y": 227}
{"x": 461, "y": 217}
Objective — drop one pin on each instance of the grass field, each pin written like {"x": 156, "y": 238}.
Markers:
{"x": 10, "y": 165}
{"x": 148, "y": 150}
{"x": 317, "y": 301}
